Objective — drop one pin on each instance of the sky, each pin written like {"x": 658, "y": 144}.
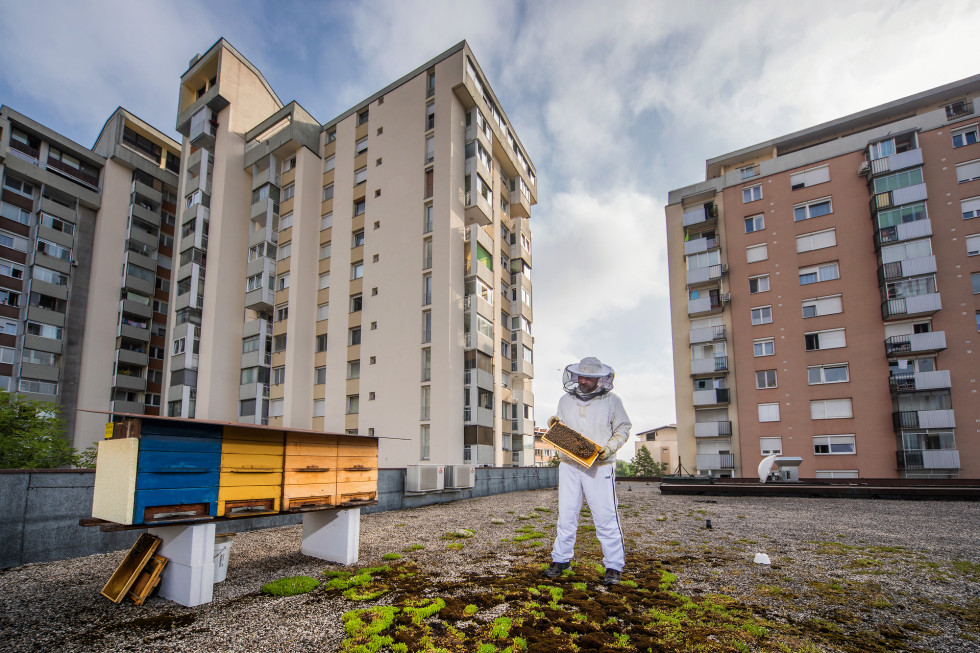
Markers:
{"x": 616, "y": 103}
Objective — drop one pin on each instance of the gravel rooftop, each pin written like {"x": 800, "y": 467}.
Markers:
{"x": 846, "y": 575}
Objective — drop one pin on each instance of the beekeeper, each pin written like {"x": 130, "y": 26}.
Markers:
{"x": 590, "y": 408}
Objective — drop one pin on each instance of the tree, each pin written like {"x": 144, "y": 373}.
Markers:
{"x": 32, "y": 434}
{"x": 644, "y": 464}
{"x": 624, "y": 469}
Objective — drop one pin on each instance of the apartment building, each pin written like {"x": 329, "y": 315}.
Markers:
{"x": 825, "y": 297}
{"x": 84, "y": 261}
{"x": 366, "y": 275}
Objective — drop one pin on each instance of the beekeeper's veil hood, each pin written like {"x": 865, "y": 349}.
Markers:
{"x": 590, "y": 367}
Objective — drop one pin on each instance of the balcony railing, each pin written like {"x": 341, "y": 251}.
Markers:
{"x": 32, "y": 152}
{"x": 712, "y": 429}
{"x": 711, "y": 397}
{"x": 709, "y": 365}
{"x": 905, "y": 231}
{"x": 929, "y": 459}
{"x": 924, "y": 419}
{"x": 716, "y": 461}
{"x": 707, "y": 334}
{"x": 708, "y": 304}
{"x": 899, "y": 196}
{"x": 909, "y": 306}
{"x": 915, "y": 343}
{"x": 204, "y": 129}
{"x": 709, "y": 273}
{"x": 905, "y": 268}
{"x": 698, "y": 245}
{"x": 74, "y": 173}
{"x": 917, "y": 381}
{"x": 700, "y": 214}
{"x": 895, "y": 162}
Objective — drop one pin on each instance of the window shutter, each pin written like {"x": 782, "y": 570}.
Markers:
{"x": 968, "y": 171}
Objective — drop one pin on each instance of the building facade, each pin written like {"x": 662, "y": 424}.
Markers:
{"x": 824, "y": 296}
{"x": 85, "y": 237}
{"x": 368, "y": 275}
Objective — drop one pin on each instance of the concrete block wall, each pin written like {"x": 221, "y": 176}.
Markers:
{"x": 40, "y": 509}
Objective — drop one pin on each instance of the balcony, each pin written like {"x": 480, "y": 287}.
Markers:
{"x": 915, "y": 305}
{"x": 707, "y": 334}
{"x": 917, "y": 381}
{"x": 924, "y": 419}
{"x": 929, "y": 459}
{"x": 707, "y": 305}
{"x": 477, "y": 340}
{"x": 482, "y": 378}
{"x": 478, "y": 210}
{"x": 716, "y": 461}
{"x": 712, "y": 429}
{"x": 895, "y": 162}
{"x": 906, "y": 268}
{"x": 700, "y": 214}
{"x": 915, "y": 343}
{"x": 706, "y": 274}
{"x": 128, "y": 407}
{"x": 698, "y": 245}
{"x": 905, "y": 231}
{"x": 709, "y": 365}
{"x": 713, "y": 397}
{"x": 73, "y": 173}
{"x": 204, "y": 128}
{"x": 31, "y": 152}
{"x": 478, "y": 416}
{"x": 891, "y": 198}
{"x": 126, "y": 382}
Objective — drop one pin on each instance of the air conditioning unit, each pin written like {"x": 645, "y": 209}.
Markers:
{"x": 460, "y": 476}
{"x": 864, "y": 168}
{"x": 424, "y": 478}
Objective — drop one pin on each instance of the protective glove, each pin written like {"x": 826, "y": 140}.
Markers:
{"x": 605, "y": 453}
{"x": 552, "y": 421}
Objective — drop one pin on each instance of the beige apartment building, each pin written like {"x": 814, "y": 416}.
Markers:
{"x": 368, "y": 275}
{"x": 825, "y": 297}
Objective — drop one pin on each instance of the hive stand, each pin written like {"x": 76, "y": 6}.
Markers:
{"x": 332, "y": 535}
{"x": 189, "y": 576}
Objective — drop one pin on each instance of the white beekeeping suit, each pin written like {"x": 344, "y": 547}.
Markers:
{"x": 594, "y": 411}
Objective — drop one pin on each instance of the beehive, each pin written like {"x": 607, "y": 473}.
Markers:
{"x": 310, "y": 478}
{"x": 251, "y": 471}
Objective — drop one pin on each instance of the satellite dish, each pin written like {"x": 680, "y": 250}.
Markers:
{"x": 766, "y": 466}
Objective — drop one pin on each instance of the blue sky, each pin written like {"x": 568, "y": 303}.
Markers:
{"x": 616, "y": 103}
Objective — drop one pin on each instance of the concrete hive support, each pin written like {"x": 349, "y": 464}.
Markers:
{"x": 189, "y": 576}
{"x": 332, "y": 535}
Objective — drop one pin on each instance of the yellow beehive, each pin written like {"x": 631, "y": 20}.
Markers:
{"x": 310, "y": 478}
{"x": 251, "y": 471}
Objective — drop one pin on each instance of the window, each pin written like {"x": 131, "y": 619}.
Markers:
{"x": 178, "y": 347}
{"x": 321, "y": 343}
{"x": 765, "y": 379}
{"x": 813, "y": 209}
{"x": 319, "y": 406}
{"x": 762, "y": 315}
{"x": 759, "y": 284}
{"x": 970, "y": 208}
{"x": 20, "y": 187}
{"x": 751, "y": 194}
{"x": 357, "y": 238}
{"x": 326, "y": 221}
{"x": 747, "y": 172}
{"x": 771, "y": 446}
{"x": 16, "y": 213}
{"x": 332, "y": 135}
{"x": 965, "y": 136}
{"x": 426, "y": 326}
{"x": 703, "y": 259}
{"x": 829, "y": 339}
{"x": 755, "y": 223}
{"x": 289, "y": 164}
{"x": 755, "y": 253}
{"x": 15, "y": 271}
{"x": 288, "y": 192}
{"x": 426, "y": 289}
{"x": 910, "y": 287}
{"x": 361, "y": 146}
{"x": 973, "y": 245}
{"x": 275, "y": 408}
{"x": 324, "y": 281}
{"x": 354, "y": 336}
{"x": 279, "y": 343}
{"x": 763, "y": 347}
{"x": 57, "y": 251}
{"x": 353, "y": 404}
{"x": 430, "y": 149}
{"x": 356, "y": 302}
{"x": 278, "y": 375}
{"x": 329, "y": 163}
{"x": 810, "y": 177}
{"x": 282, "y": 281}
{"x": 38, "y": 387}
{"x": 426, "y": 253}
{"x": 285, "y": 251}
{"x": 328, "y": 192}
{"x": 425, "y": 402}
{"x": 898, "y": 180}
{"x": 282, "y": 312}
{"x": 819, "y": 374}
{"x": 822, "y": 306}
{"x": 818, "y": 273}
{"x": 769, "y": 412}
{"x": 357, "y": 270}
{"x": 359, "y": 207}
{"x": 424, "y": 442}
{"x": 360, "y": 176}
{"x": 354, "y": 369}
{"x": 833, "y": 444}
{"x": 429, "y": 185}
{"x": 816, "y": 240}
{"x": 430, "y": 116}
{"x": 286, "y": 221}
{"x": 975, "y": 282}
{"x": 427, "y": 219}
{"x": 907, "y": 250}
{"x": 362, "y": 117}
